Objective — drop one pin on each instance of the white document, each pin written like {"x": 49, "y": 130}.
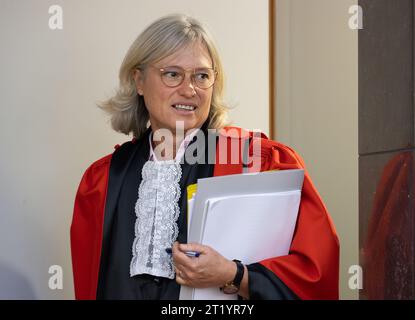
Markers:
{"x": 249, "y": 217}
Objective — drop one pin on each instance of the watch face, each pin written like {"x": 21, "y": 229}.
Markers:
{"x": 230, "y": 289}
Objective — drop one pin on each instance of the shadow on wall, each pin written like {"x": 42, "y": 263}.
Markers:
{"x": 388, "y": 250}
{"x": 14, "y": 285}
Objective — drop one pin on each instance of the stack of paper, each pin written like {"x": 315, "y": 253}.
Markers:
{"x": 249, "y": 217}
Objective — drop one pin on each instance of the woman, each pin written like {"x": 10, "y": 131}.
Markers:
{"x": 131, "y": 205}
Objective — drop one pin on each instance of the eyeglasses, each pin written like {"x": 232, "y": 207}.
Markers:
{"x": 174, "y": 76}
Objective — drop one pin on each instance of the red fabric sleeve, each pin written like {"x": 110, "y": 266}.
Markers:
{"x": 86, "y": 228}
{"x": 311, "y": 269}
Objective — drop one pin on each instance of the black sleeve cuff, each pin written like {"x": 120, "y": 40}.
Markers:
{"x": 265, "y": 285}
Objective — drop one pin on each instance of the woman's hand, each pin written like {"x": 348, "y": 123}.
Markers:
{"x": 210, "y": 269}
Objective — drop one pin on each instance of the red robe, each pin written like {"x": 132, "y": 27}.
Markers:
{"x": 310, "y": 270}
{"x": 388, "y": 247}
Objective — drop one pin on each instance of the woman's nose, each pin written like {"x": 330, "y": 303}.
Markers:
{"x": 187, "y": 88}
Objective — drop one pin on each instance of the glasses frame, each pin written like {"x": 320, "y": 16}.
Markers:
{"x": 192, "y": 76}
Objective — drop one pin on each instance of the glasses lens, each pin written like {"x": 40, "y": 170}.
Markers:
{"x": 204, "y": 78}
{"x": 172, "y": 77}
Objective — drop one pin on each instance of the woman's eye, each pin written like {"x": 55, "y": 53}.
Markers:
{"x": 202, "y": 76}
{"x": 171, "y": 74}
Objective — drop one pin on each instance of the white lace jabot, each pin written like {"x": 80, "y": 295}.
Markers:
{"x": 157, "y": 211}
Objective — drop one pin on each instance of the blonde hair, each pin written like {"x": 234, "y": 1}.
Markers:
{"x": 159, "y": 40}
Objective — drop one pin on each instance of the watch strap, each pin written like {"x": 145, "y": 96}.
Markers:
{"x": 239, "y": 273}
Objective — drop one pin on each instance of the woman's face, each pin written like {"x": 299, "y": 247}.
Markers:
{"x": 162, "y": 101}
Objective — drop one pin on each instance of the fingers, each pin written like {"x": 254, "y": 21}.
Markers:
{"x": 179, "y": 257}
{"x": 180, "y": 277}
{"x": 180, "y": 262}
{"x": 192, "y": 247}
{"x": 183, "y": 247}
{"x": 185, "y": 266}
{"x": 185, "y": 254}
{"x": 197, "y": 272}
{"x": 179, "y": 273}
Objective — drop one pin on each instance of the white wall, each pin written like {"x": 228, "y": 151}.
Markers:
{"x": 317, "y": 108}
{"x": 50, "y": 129}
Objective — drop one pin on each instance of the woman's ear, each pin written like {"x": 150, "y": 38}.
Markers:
{"x": 138, "y": 78}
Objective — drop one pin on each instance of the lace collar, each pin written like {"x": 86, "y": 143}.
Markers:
{"x": 157, "y": 211}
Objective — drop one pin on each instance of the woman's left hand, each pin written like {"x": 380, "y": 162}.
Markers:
{"x": 210, "y": 269}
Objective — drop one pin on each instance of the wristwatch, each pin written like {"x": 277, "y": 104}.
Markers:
{"x": 232, "y": 287}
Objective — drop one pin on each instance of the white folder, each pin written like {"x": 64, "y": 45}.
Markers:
{"x": 249, "y": 217}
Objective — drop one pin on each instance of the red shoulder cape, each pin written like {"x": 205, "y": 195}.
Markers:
{"x": 310, "y": 270}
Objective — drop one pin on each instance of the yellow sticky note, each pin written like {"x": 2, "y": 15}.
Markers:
{"x": 191, "y": 191}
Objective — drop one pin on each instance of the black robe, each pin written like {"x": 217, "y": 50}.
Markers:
{"x": 114, "y": 281}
